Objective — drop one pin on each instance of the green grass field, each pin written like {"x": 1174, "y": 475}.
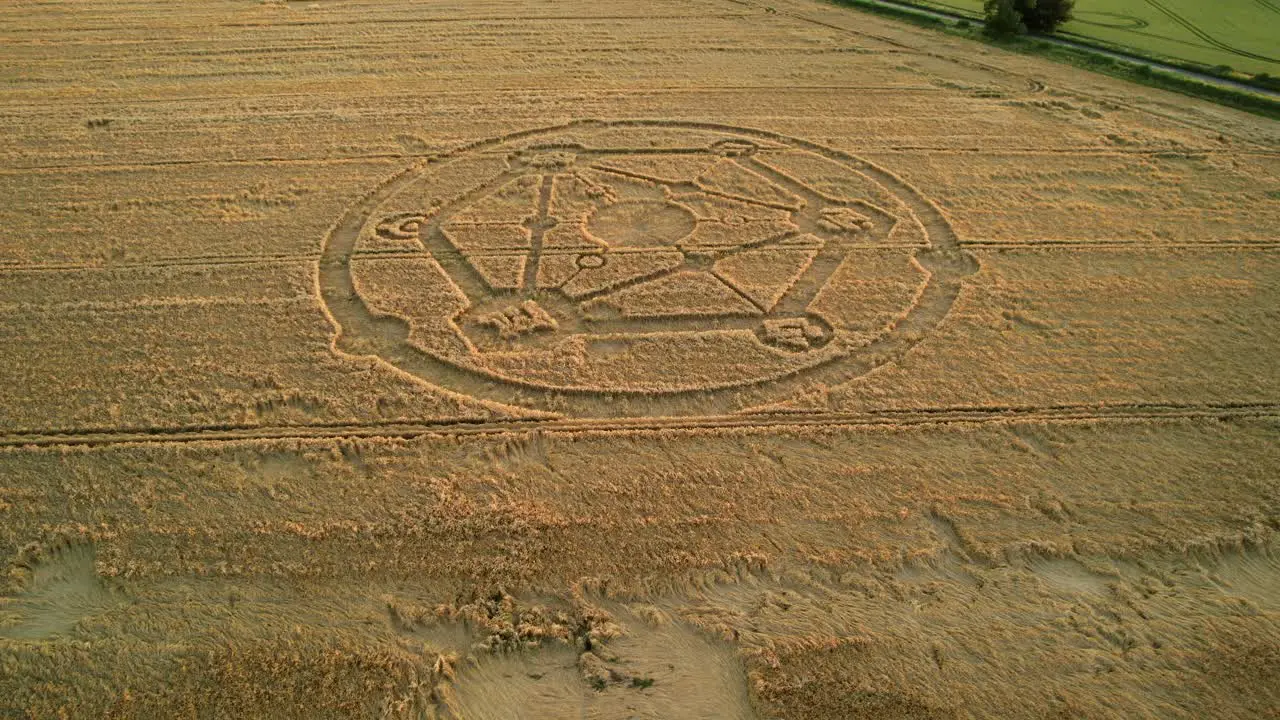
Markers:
{"x": 1242, "y": 34}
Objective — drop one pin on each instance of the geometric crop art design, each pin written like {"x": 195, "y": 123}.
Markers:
{"x": 640, "y": 268}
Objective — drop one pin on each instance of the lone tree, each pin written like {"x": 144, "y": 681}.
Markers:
{"x": 1003, "y": 18}
{"x": 1044, "y": 16}
{"x": 1015, "y": 17}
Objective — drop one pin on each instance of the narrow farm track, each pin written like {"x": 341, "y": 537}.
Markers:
{"x": 762, "y": 423}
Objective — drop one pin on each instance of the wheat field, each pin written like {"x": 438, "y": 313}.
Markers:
{"x": 709, "y": 359}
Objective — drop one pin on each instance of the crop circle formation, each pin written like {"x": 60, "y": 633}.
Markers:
{"x": 640, "y": 268}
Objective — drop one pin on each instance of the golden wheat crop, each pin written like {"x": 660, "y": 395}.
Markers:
{"x": 667, "y": 360}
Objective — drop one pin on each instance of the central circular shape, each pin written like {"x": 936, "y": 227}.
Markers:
{"x": 670, "y": 268}
{"x": 641, "y": 224}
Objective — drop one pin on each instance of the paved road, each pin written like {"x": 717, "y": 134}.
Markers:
{"x": 1133, "y": 59}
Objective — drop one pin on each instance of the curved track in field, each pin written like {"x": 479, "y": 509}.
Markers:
{"x": 1201, "y": 77}
{"x": 1195, "y": 30}
{"x": 1120, "y": 21}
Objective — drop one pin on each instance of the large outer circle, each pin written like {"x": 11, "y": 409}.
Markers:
{"x": 362, "y": 331}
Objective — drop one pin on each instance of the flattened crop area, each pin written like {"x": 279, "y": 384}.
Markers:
{"x": 685, "y": 360}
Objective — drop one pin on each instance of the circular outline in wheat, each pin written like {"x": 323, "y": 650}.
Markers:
{"x": 362, "y": 331}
